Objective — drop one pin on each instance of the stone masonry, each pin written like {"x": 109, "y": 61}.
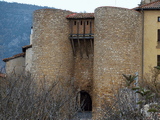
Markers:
{"x": 52, "y": 52}
{"x": 117, "y": 50}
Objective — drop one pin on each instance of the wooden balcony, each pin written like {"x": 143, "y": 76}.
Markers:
{"x": 81, "y": 36}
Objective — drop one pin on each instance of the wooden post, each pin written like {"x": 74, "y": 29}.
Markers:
{"x": 72, "y": 42}
{"x": 85, "y": 45}
{"x": 79, "y": 44}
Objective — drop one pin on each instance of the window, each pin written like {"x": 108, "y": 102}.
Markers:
{"x": 158, "y": 35}
{"x": 158, "y": 60}
{"x": 32, "y": 30}
{"x": 74, "y": 22}
{"x": 87, "y": 22}
{"x": 81, "y": 22}
{"x": 158, "y": 19}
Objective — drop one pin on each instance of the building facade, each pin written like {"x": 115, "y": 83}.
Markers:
{"x": 151, "y": 35}
{"x": 93, "y": 48}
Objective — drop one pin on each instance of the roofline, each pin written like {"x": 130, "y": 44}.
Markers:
{"x": 141, "y": 7}
{"x": 24, "y": 48}
{"x": 84, "y": 17}
{"x": 14, "y": 56}
{"x": 147, "y": 9}
{"x": 81, "y": 18}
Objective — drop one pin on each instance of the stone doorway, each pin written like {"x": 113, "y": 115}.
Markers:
{"x": 85, "y": 101}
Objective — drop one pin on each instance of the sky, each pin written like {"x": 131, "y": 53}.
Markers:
{"x": 80, "y": 5}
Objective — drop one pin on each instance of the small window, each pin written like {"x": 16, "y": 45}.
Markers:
{"x": 81, "y": 22}
{"x": 158, "y": 35}
{"x": 75, "y": 22}
{"x": 32, "y": 30}
{"x": 87, "y": 22}
{"x": 158, "y": 60}
{"x": 158, "y": 19}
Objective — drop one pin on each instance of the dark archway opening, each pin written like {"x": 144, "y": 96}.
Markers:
{"x": 85, "y": 101}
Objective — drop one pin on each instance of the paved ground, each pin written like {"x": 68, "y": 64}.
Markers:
{"x": 84, "y": 115}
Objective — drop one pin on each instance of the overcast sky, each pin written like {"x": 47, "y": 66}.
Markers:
{"x": 80, "y": 5}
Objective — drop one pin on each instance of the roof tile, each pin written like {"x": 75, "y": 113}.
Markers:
{"x": 81, "y": 16}
{"x": 26, "y": 47}
{"x": 14, "y": 56}
{"x": 152, "y": 5}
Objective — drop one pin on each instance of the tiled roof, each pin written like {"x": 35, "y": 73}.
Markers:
{"x": 150, "y": 6}
{"x": 81, "y": 16}
{"x": 14, "y": 56}
{"x": 26, "y": 47}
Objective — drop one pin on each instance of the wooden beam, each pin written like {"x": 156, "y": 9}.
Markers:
{"x": 84, "y": 28}
{"x": 79, "y": 44}
{"x": 90, "y": 27}
{"x": 71, "y": 40}
{"x": 92, "y": 48}
{"x": 73, "y": 47}
{"x": 71, "y": 26}
{"x": 84, "y": 40}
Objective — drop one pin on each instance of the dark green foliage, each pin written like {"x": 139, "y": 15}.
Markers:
{"x": 145, "y": 94}
{"x": 152, "y": 110}
{"x": 15, "y": 27}
{"x": 157, "y": 67}
{"x": 135, "y": 88}
{"x": 129, "y": 79}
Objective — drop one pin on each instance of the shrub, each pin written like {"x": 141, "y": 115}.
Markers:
{"x": 134, "y": 102}
{"x": 22, "y": 98}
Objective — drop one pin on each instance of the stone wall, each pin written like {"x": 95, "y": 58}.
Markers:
{"x": 15, "y": 66}
{"x": 52, "y": 52}
{"x": 28, "y": 60}
{"x": 117, "y": 50}
{"x": 83, "y": 66}
{"x": 83, "y": 53}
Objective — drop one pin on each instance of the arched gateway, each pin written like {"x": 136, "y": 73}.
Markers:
{"x": 84, "y": 100}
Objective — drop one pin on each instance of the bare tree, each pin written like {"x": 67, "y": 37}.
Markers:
{"x": 22, "y": 98}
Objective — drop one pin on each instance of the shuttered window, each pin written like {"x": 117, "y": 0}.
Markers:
{"x": 158, "y": 35}
{"x": 158, "y": 19}
{"x": 158, "y": 60}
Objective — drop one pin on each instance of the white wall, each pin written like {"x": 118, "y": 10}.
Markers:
{"x": 28, "y": 59}
{"x": 15, "y": 65}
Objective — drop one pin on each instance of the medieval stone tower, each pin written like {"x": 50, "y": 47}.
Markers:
{"x": 95, "y": 49}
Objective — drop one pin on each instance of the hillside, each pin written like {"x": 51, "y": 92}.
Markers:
{"x": 15, "y": 25}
